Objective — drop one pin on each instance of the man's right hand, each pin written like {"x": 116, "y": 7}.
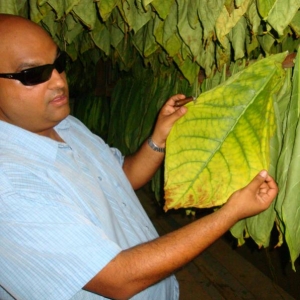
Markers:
{"x": 254, "y": 198}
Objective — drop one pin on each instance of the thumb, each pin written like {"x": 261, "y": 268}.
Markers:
{"x": 179, "y": 113}
{"x": 170, "y": 119}
{"x": 258, "y": 180}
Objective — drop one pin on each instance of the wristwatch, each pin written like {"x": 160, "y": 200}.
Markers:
{"x": 154, "y": 147}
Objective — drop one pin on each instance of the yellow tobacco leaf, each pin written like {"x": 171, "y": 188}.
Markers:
{"x": 223, "y": 140}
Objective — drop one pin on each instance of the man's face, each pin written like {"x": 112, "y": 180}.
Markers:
{"x": 39, "y": 107}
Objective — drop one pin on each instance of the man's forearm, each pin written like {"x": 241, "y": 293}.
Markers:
{"x": 139, "y": 267}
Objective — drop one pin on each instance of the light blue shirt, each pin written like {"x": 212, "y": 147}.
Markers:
{"x": 66, "y": 210}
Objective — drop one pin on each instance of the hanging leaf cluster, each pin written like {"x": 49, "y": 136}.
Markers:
{"x": 192, "y": 34}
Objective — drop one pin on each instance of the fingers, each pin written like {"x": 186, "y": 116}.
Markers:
{"x": 169, "y": 113}
{"x": 170, "y": 105}
{"x": 257, "y": 196}
{"x": 265, "y": 185}
{"x": 270, "y": 182}
{"x": 258, "y": 180}
{"x": 176, "y": 97}
{"x": 174, "y": 110}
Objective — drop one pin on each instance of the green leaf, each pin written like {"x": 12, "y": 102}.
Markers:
{"x": 259, "y": 227}
{"x": 282, "y": 13}
{"x": 9, "y": 7}
{"x": 144, "y": 40}
{"x": 106, "y": 7}
{"x": 188, "y": 68}
{"x": 226, "y": 21}
{"x": 116, "y": 33}
{"x": 223, "y": 54}
{"x": 73, "y": 27}
{"x": 145, "y": 3}
{"x": 134, "y": 14}
{"x": 166, "y": 32}
{"x": 238, "y": 231}
{"x": 192, "y": 36}
{"x": 238, "y": 3}
{"x": 207, "y": 58}
{"x": 61, "y": 8}
{"x": 253, "y": 17}
{"x": 84, "y": 43}
{"x": 237, "y": 37}
{"x": 266, "y": 41}
{"x": 58, "y": 7}
{"x": 223, "y": 140}
{"x": 251, "y": 44}
{"x": 55, "y": 28}
{"x": 209, "y": 11}
{"x": 295, "y": 24}
{"x": 287, "y": 204}
{"x": 192, "y": 14}
{"x": 85, "y": 11}
{"x": 72, "y": 52}
{"x": 162, "y": 7}
{"x": 23, "y": 9}
{"x": 38, "y": 12}
{"x": 290, "y": 207}
{"x": 125, "y": 53}
{"x": 158, "y": 30}
{"x": 264, "y": 6}
{"x": 101, "y": 37}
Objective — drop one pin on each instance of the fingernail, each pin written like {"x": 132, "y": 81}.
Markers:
{"x": 263, "y": 173}
{"x": 183, "y": 109}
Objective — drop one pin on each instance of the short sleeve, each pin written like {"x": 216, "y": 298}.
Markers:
{"x": 118, "y": 155}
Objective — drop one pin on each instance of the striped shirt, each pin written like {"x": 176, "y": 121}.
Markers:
{"x": 66, "y": 210}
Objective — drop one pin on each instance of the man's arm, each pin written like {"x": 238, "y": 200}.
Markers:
{"x": 137, "y": 268}
{"x": 141, "y": 166}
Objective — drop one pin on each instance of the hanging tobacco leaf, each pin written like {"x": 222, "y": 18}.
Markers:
{"x": 287, "y": 172}
{"x": 226, "y": 21}
{"x": 223, "y": 141}
{"x": 282, "y": 13}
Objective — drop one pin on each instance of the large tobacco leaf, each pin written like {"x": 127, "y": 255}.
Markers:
{"x": 223, "y": 141}
{"x": 287, "y": 175}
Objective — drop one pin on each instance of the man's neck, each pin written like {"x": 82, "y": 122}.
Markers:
{"x": 52, "y": 134}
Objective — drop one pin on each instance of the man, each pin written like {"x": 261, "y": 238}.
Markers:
{"x": 71, "y": 226}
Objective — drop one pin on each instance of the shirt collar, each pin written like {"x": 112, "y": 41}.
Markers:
{"x": 26, "y": 140}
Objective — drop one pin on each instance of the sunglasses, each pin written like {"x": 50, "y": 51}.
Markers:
{"x": 40, "y": 74}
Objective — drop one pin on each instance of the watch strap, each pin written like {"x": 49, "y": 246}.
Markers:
{"x": 154, "y": 147}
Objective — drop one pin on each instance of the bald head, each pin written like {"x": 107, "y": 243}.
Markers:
{"x": 38, "y": 107}
{"x": 21, "y": 40}
{"x": 16, "y": 30}
{"x": 15, "y": 22}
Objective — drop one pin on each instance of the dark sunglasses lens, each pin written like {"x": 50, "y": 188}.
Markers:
{"x": 60, "y": 62}
{"x": 43, "y": 73}
{"x": 38, "y": 75}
